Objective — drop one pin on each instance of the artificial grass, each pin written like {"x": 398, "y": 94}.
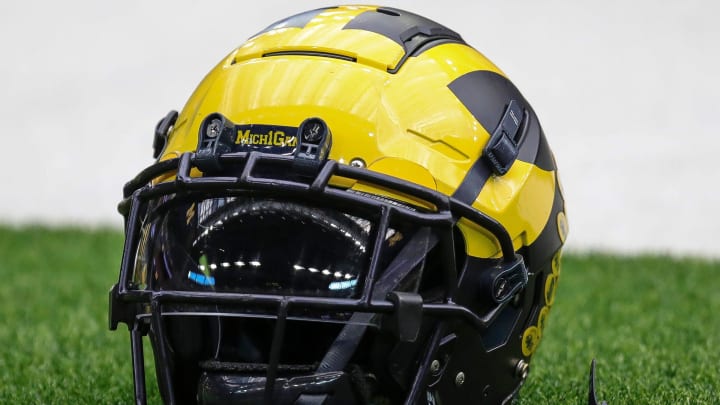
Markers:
{"x": 650, "y": 322}
{"x": 55, "y": 347}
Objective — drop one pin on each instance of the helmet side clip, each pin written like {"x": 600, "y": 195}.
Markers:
{"x": 503, "y": 147}
{"x": 162, "y": 130}
{"x": 314, "y": 143}
{"x": 216, "y": 137}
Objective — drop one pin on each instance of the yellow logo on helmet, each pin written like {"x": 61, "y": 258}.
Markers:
{"x": 562, "y": 226}
{"x": 550, "y": 289}
{"x": 530, "y": 340}
{"x": 271, "y": 138}
{"x": 556, "y": 263}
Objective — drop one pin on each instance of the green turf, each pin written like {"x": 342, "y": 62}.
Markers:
{"x": 650, "y": 321}
{"x": 55, "y": 347}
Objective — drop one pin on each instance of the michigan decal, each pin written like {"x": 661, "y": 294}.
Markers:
{"x": 275, "y": 139}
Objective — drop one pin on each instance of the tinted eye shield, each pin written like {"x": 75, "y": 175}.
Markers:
{"x": 255, "y": 245}
{"x": 275, "y": 175}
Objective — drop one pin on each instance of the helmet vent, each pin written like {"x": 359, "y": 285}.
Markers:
{"x": 388, "y": 12}
{"x": 312, "y": 53}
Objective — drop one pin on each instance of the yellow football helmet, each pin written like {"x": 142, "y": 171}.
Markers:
{"x": 354, "y": 206}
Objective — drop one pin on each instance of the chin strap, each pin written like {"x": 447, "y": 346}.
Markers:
{"x": 411, "y": 255}
{"x": 592, "y": 398}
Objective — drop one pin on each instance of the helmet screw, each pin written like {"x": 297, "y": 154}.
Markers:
{"x": 435, "y": 366}
{"x": 522, "y": 369}
{"x": 213, "y": 129}
{"x": 460, "y": 379}
{"x": 313, "y": 131}
{"x": 357, "y": 162}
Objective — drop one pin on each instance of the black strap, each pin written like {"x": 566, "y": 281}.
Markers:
{"x": 411, "y": 255}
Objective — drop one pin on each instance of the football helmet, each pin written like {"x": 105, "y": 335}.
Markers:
{"x": 354, "y": 206}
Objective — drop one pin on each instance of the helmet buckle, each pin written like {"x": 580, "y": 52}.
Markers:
{"x": 503, "y": 147}
{"x": 506, "y": 280}
{"x": 406, "y": 319}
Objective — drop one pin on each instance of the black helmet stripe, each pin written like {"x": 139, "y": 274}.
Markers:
{"x": 486, "y": 95}
{"x": 400, "y": 26}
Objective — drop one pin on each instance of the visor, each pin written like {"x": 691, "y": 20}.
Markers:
{"x": 251, "y": 246}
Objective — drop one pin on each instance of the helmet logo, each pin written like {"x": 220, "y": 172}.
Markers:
{"x": 556, "y": 263}
{"x": 276, "y": 137}
{"x": 562, "y": 226}
{"x": 550, "y": 289}
{"x": 530, "y": 340}
{"x": 542, "y": 318}
{"x": 220, "y": 135}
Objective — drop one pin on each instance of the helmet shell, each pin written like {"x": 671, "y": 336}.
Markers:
{"x": 406, "y": 97}
{"x": 418, "y": 104}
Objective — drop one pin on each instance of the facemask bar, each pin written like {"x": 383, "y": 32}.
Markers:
{"x": 126, "y": 304}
